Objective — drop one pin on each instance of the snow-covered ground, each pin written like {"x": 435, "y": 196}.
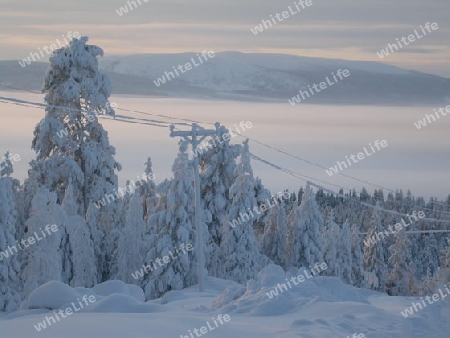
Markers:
{"x": 318, "y": 307}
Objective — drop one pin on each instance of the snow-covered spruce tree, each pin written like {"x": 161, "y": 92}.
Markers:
{"x": 240, "y": 250}
{"x": 346, "y": 253}
{"x": 125, "y": 202}
{"x": 79, "y": 257}
{"x": 300, "y": 195}
{"x": 6, "y": 168}
{"x": 174, "y": 219}
{"x": 321, "y": 198}
{"x": 217, "y": 169}
{"x": 155, "y": 223}
{"x": 358, "y": 276}
{"x": 97, "y": 236}
{"x": 70, "y": 143}
{"x": 262, "y": 195}
{"x": 17, "y": 194}
{"x": 365, "y": 214}
{"x": 289, "y": 203}
{"x": 401, "y": 278}
{"x": 274, "y": 239}
{"x": 428, "y": 253}
{"x": 364, "y": 196}
{"x": 351, "y": 208}
{"x": 417, "y": 251}
{"x": 443, "y": 275}
{"x": 398, "y": 201}
{"x": 129, "y": 257}
{"x": 148, "y": 191}
{"x": 218, "y": 164}
{"x": 10, "y": 285}
{"x": 44, "y": 258}
{"x": 374, "y": 258}
{"x": 331, "y": 236}
{"x": 378, "y": 197}
{"x": 429, "y": 284}
{"x": 151, "y": 202}
{"x": 304, "y": 225}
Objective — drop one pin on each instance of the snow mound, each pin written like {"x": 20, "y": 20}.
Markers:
{"x": 259, "y": 299}
{"x": 318, "y": 307}
{"x": 173, "y": 296}
{"x": 115, "y": 286}
{"x": 120, "y": 297}
{"x": 51, "y": 295}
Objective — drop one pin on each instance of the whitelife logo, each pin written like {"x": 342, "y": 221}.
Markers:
{"x": 360, "y": 155}
{"x": 109, "y": 107}
{"x": 323, "y": 85}
{"x": 8, "y": 157}
{"x": 296, "y": 280}
{"x": 64, "y": 314}
{"x": 285, "y": 14}
{"x": 204, "y": 330}
{"x": 418, "y": 306}
{"x": 398, "y": 227}
{"x": 188, "y": 66}
{"x": 219, "y": 139}
{"x": 411, "y": 38}
{"x": 259, "y": 209}
{"x": 49, "y": 229}
{"x": 161, "y": 261}
{"x": 423, "y": 122}
{"x": 124, "y": 10}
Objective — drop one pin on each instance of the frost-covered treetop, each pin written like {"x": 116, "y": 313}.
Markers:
{"x": 6, "y": 167}
{"x": 244, "y": 166}
{"x": 73, "y": 79}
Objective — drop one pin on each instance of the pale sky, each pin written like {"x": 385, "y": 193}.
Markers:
{"x": 347, "y": 29}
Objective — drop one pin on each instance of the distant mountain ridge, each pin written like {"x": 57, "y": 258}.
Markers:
{"x": 256, "y": 77}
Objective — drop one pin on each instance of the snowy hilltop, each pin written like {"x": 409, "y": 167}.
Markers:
{"x": 253, "y": 77}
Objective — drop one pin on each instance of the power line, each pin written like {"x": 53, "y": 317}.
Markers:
{"x": 374, "y": 206}
{"x": 291, "y": 172}
{"x": 285, "y": 153}
{"x": 153, "y": 123}
{"x": 160, "y": 115}
{"x": 121, "y": 118}
{"x": 118, "y": 108}
{"x": 30, "y": 104}
{"x": 442, "y": 211}
{"x": 316, "y": 164}
{"x": 341, "y": 195}
{"x": 194, "y": 121}
{"x": 277, "y": 167}
{"x": 150, "y": 122}
{"x": 20, "y": 89}
{"x": 344, "y": 196}
{"x": 80, "y": 110}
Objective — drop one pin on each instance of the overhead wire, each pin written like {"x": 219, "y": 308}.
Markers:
{"x": 152, "y": 123}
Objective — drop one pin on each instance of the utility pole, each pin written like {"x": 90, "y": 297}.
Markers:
{"x": 195, "y": 137}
